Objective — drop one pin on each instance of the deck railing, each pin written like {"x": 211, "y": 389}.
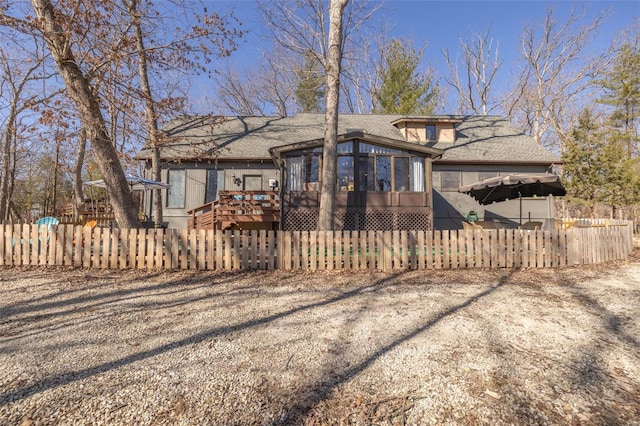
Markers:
{"x": 67, "y": 245}
{"x": 234, "y": 208}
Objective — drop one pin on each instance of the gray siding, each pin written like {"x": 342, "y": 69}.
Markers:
{"x": 196, "y": 181}
{"x": 450, "y": 208}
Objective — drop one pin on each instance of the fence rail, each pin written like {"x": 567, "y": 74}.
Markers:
{"x": 67, "y": 245}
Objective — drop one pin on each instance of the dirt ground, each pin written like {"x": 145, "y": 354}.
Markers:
{"x": 469, "y": 347}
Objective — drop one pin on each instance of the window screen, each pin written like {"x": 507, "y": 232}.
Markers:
{"x": 177, "y": 180}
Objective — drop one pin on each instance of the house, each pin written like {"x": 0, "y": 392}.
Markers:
{"x": 394, "y": 171}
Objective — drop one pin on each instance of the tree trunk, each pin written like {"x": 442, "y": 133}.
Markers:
{"x": 80, "y": 91}
{"x": 5, "y": 174}
{"x": 329, "y": 164}
{"x": 79, "y": 205}
{"x": 150, "y": 111}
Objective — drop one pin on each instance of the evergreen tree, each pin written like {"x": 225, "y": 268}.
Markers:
{"x": 402, "y": 89}
{"x": 621, "y": 86}
{"x": 620, "y": 179}
{"x": 598, "y": 168}
{"x": 581, "y": 172}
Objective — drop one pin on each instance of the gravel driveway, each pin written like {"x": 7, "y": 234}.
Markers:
{"x": 90, "y": 347}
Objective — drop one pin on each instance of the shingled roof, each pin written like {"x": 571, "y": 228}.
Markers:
{"x": 478, "y": 138}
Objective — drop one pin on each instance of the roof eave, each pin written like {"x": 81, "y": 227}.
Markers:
{"x": 502, "y": 162}
{"x": 428, "y": 119}
{"x": 276, "y": 152}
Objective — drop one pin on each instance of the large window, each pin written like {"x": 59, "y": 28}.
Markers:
{"x": 417, "y": 174}
{"x": 346, "y": 173}
{"x": 401, "y": 174}
{"x": 383, "y": 173}
{"x": 175, "y": 196}
{"x": 367, "y": 174}
{"x": 311, "y": 171}
{"x": 303, "y": 172}
{"x": 360, "y": 166}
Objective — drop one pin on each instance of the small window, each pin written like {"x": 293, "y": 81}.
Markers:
{"x": 175, "y": 196}
{"x": 449, "y": 181}
{"x": 430, "y": 132}
{"x": 211, "y": 191}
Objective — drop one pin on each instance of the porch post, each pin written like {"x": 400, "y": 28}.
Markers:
{"x": 428, "y": 177}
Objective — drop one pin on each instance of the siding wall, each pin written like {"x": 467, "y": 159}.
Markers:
{"x": 451, "y": 207}
{"x": 416, "y": 132}
{"x": 196, "y": 181}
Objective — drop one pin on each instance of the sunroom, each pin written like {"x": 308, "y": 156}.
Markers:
{"x": 382, "y": 183}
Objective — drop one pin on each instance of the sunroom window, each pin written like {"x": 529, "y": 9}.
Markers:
{"x": 401, "y": 174}
{"x": 303, "y": 172}
{"x": 360, "y": 166}
{"x": 383, "y": 173}
{"x": 346, "y": 173}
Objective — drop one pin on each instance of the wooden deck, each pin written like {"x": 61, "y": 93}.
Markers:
{"x": 238, "y": 210}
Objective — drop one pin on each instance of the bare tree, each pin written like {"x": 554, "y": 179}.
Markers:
{"x": 361, "y": 75}
{"x": 210, "y": 36}
{"x": 474, "y": 84}
{"x": 154, "y": 135}
{"x": 79, "y": 88}
{"x": 300, "y": 26}
{"x": 23, "y": 71}
{"x": 329, "y": 151}
{"x": 261, "y": 90}
{"x": 555, "y": 76}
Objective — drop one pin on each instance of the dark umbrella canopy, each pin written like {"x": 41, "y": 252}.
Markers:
{"x": 514, "y": 186}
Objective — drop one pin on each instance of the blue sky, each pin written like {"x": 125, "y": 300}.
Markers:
{"x": 440, "y": 24}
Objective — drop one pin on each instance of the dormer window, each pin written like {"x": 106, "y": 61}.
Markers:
{"x": 427, "y": 129}
{"x": 430, "y": 132}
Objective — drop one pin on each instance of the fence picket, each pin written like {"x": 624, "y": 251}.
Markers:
{"x": 254, "y": 249}
{"x": 286, "y": 251}
{"x": 271, "y": 250}
{"x": 226, "y": 242}
{"x": 331, "y": 252}
{"x": 437, "y": 249}
{"x": 445, "y": 249}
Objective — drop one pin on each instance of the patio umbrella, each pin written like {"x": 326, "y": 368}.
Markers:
{"x": 135, "y": 183}
{"x": 510, "y": 187}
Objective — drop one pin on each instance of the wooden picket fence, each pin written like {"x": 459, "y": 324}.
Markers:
{"x": 67, "y": 245}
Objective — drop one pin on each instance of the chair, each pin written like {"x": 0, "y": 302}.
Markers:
{"x": 47, "y": 221}
{"x": 88, "y": 225}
